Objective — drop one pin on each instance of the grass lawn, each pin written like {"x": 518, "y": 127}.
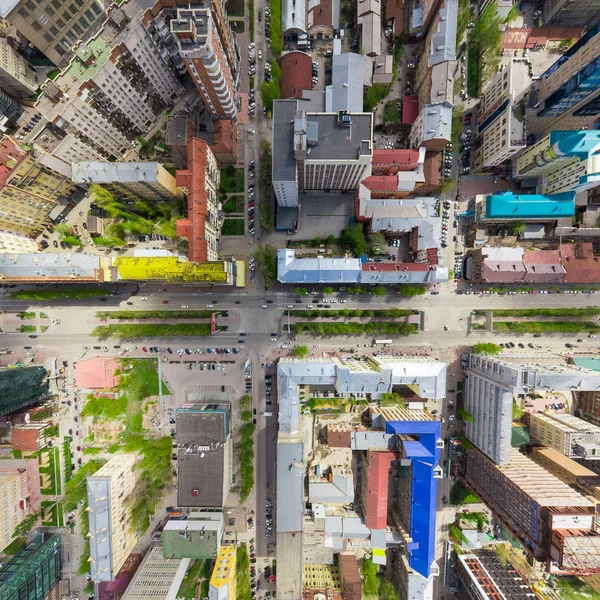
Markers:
{"x": 67, "y": 459}
{"x": 459, "y": 494}
{"x": 589, "y": 311}
{"x": 233, "y": 227}
{"x": 52, "y": 469}
{"x": 138, "y": 315}
{"x": 137, "y": 332}
{"x": 237, "y": 27}
{"x": 546, "y": 327}
{"x": 235, "y": 204}
{"x": 391, "y": 113}
{"x": 26, "y": 315}
{"x": 187, "y": 589}
{"x": 46, "y": 295}
{"x": 243, "y": 573}
{"x": 232, "y": 180}
{"x": 356, "y": 328}
{"x": 572, "y": 588}
{"x": 27, "y": 328}
{"x": 473, "y": 70}
{"x": 235, "y": 8}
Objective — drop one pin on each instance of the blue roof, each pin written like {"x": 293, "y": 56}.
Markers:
{"x": 593, "y": 364}
{"x": 576, "y": 143}
{"x": 425, "y": 456}
{"x": 530, "y": 206}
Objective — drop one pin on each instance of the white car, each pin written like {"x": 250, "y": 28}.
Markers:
{"x": 272, "y": 339}
{"x": 210, "y": 306}
{"x": 184, "y": 306}
{"x": 252, "y": 131}
{"x": 143, "y": 299}
{"x": 285, "y": 346}
{"x": 260, "y": 55}
{"x": 290, "y": 306}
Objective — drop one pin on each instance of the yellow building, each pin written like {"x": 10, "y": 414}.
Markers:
{"x": 223, "y": 579}
{"x": 110, "y": 533}
{"x": 11, "y": 492}
{"x": 32, "y": 186}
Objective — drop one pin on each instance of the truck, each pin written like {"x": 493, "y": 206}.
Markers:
{"x": 268, "y": 414}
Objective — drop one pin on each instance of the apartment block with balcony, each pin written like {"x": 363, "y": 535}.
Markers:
{"x": 492, "y": 384}
{"x": 210, "y": 54}
{"x": 113, "y": 90}
{"x": 17, "y": 76}
{"x": 55, "y": 27}
{"x": 111, "y": 535}
{"x": 567, "y": 95}
{"x": 566, "y": 433}
{"x": 201, "y": 180}
{"x": 501, "y": 126}
{"x": 33, "y": 187}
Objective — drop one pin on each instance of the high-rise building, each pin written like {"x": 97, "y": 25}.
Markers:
{"x": 20, "y": 388}
{"x": 555, "y": 523}
{"x": 318, "y": 151}
{"x": 223, "y": 580}
{"x": 9, "y": 108}
{"x": 567, "y": 95}
{"x": 492, "y": 383}
{"x": 566, "y": 433}
{"x": 501, "y": 125}
{"x": 111, "y": 535}
{"x": 55, "y": 27}
{"x": 571, "y": 13}
{"x": 33, "y": 187}
{"x": 113, "y": 90}
{"x": 14, "y": 489}
{"x": 209, "y": 50}
{"x": 482, "y": 576}
{"x": 35, "y": 571}
{"x": 563, "y": 160}
{"x": 147, "y": 181}
{"x": 17, "y": 76}
{"x": 201, "y": 180}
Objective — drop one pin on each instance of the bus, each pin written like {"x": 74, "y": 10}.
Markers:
{"x": 382, "y": 342}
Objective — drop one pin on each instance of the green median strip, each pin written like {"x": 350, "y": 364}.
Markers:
{"x": 136, "y": 332}
{"x": 139, "y": 315}
{"x": 545, "y": 327}
{"x": 391, "y": 313}
{"x": 46, "y": 295}
{"x": 372, "y": 328}
{"x": 589, "y": 311}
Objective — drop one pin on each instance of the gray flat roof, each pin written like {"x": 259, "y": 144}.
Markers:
{"x": 284, "y": 163}
{"x": 108, "y": 172}
{"x": 340, "y": 143}
{"x": 200, "y": 479}
{"x": 290, "y": 487}
{"x": 49, "y": 265}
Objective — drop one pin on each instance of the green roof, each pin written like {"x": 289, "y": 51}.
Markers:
{"x": 192, "y": 538}
{"x": 520, "y": 436}
{"x": 89, "y": 58}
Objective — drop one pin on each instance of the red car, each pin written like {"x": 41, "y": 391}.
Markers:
{"x": 165, "y": 302}
{"x": 78, "y": 448}
{"x": 144, "y": 349}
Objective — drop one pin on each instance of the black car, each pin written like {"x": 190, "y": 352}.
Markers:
{"x": 169, "y": 351}
{"x": 241, "y": 341}
{"x": 243, "y": 334}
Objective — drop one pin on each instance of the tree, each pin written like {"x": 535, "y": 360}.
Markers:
{"x": 387, "y": 590}
{"x": 370, "y": 585}
{"x": 392, "y": 399}
{"x": 266, "y": 259}
{"x": 353, "y": 239}
{"x": 301, "y": 352}
{"x": 517, "y": 228}
{"x": 25, "y": 526}
{"x": 328, "y": 291}
{"x": 269, "y": 91}
{"x": 446, "y": 185}
{"x": 486, "y": 348}
{"x": 330, "y": 240}
{"x": 465, "y": 415}
{"x": 301, "y": 291}
{"x": 379, "y": 291}
{"x": 245, "y": 402}
{"x": 377, "y": 241}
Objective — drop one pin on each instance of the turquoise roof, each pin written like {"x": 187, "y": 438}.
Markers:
{"x": 593, "y": 364}
{"x": 576, "y": 143}
{"x": 530, "y": 206}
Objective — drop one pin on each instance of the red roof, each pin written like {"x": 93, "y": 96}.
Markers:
{"x": 381, "y": 182}
{"x": 516, "y": 37}
{"x": 410, "y": 109}
{"x": 296, "y": 74}
{"x": 541, "y": 257}
{"x": 10, "y": 156}
{"x": 377, "y": 488}
{"x": 98, "y": 373}
{"x": 401, "y": 160}
{"x": 193, "y": 227}
{"x": 581, "y": 264}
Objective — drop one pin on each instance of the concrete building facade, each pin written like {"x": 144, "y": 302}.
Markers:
{"x": 570, "y": 13}
{"x": 14, "y": 490}
{"x": 17, "y": 76}
{"x": 566, "y": 433}
{"x": 56, "y": 27}
{"x": 111, "y": 535}
{"x": 492, "y": 383}
{"x": 210, "y": 53}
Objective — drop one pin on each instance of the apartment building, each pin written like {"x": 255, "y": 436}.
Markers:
{"x": 571, "y": 13}
{"x": 17, "y": 76}
{"x": 563, "y": 161}
{"x": 223, "y": 579}
{"x": 55, "y": 27}
{"x": 555, "y": 523}
{"x": 111, "y": 535}
{"x": 147, "y": 181}
{"x": 432, "y": 128}
{"x": 492, "y": 384}
{"x": 317, "y": 151}
{"x": 481, "y": 575}
{"x": 14, "y": 489}
{"x": 210, "y": 53}
{"x": 201, "y": 180}
{"x": 566, "y": 433}
{"x": 501, "y": 126}
{"x": 567, "y": 95}
{"x": 9, "y": 108}
{"x": 113, "y": 90}
{"x": 34, "y": 572}
{"x": 34, "y": 188}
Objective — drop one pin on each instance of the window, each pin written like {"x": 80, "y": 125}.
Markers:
{"x": 60, "y": 23}
{"x": 49, "y": 11}
{"x": 48, "y": 37}
{"x": 73, "y": 8}
{"x": 72, "y": 36}
{"x": 24, "y": 13}
{"x": 30, "y": 5}
{"x": 78, "y": 29}
{"x": 66, "y": 16}
{"x": 36, "y": 25}
{"x": 54, "y": 31}
{"x": 56, "y": 4}
{"x": 96, "y": 8}
{"x": 89, "y": 14}
{"x": 59, "y": 49}
{"x": 79, "y": 3}
{"x": 84, "y": 23}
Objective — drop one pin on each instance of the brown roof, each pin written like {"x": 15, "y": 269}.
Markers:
{"x": 581, "y": 264}
{"x": 323, "y": 13}
{"x": 296, "y": 74}
{"x": 351, "y": 580}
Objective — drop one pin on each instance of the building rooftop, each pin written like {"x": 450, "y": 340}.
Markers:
{"x": 314, "y": 270}
{"x": 293, "y": 16}
{"x": 290, "y": 487}
{"x": 437, "y": 121}
{"x": 224, "y": 570}
{"x": 197, "y": 537}
{"x": 347, "y": 81}
{"x": 113, "y": 172}
{"x": 49, "y": 266}
{"x": 530, "y": 206}
{"x": 169, "y": 268}
{"x": 443, "y": 41}
{"x": 284, "y": 162}
{"x": 296, "y": 74}
{"x": 559, "y": 459}
{"x": 98, "y": 373}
